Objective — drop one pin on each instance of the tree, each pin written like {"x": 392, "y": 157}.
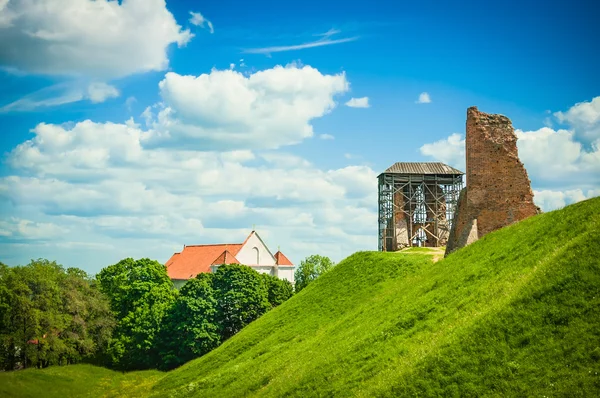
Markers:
{"x": 310, "y": 269}
{"x": 5, "y": 354}
{"x": 49, "y": 316}
{"x": 278, "y": 290}
{"x": 140, "y": 294}
{"x": 89, "y": 321}
{"x": 190, "y": 328}
{"x": 19, "y": 322}
{"x": 241, "y": 297}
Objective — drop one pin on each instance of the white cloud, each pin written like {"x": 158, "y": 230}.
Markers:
{"x": 58, "y": 94}
{"x": 6, "y": 15}
{"x": 226, "y": 109}
{"x": 70, "y": 37}
{"x": 22, "y": 229}
{"x": 555, "y": 157}
{"x": 198, "y": 19}
{"x": 285, "y": 160}
{"x": 358, "y": 102}
{"x": 62, "y": 94}
{"x": 584, "y": 118}
{"x": 100, "y": 92}
{"x": 549, "y": 200}
{"x": 325, "y": 40}
{"x": 424, "y": 98}
{"x": 329, "y": 33}
{"x": 450, "y": 150}
{"x": 129, "y": 102}
{"x": 326, "y": 137}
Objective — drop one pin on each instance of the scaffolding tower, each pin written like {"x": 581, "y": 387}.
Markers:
{"x": 417, "y": 202}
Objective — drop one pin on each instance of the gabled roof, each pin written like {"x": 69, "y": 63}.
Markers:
{"x": 196, "y": 259}
{"x": 422, "y": 168}
{"x": 225, "y": 258}
{"x": 261, "y": 241}
{"x": 281, "y": 259}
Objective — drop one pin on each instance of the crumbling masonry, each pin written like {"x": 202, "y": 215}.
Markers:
{"x": 498, "y": 191}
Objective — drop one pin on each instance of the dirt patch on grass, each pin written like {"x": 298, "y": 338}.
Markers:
{"x": 437, "y": 253}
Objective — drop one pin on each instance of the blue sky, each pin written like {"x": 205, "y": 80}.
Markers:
{"x": 141, "y": 126}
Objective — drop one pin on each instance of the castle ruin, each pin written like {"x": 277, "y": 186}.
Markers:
{"x": 498, "y": 191}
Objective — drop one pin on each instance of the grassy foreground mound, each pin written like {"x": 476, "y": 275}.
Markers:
{"x": 515, "y": 314}
{"x": 76, "y": 381}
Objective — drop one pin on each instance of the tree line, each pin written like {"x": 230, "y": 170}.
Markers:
{"x": 130, "y": 316}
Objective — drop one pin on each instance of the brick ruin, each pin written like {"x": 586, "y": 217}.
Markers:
{"x": 498, "y": 191}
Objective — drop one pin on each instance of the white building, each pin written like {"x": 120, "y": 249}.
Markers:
{"x": 195, "y": 259}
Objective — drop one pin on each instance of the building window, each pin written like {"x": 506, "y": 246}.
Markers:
{"x": 255, "y": 249}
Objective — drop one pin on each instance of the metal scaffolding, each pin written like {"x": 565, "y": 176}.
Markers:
{"x": 417, "y": 202}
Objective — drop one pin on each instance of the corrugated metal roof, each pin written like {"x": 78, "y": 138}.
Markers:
{"x": 422, "y": 168}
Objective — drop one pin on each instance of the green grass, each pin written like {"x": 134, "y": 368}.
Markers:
{"x": 76, "y": 381}
{"x": 515, "y": 314}
{"x": 422, "y": 250}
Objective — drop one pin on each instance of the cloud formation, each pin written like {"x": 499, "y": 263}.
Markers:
{"x": 198, "y": 19}
{"x": 556, "y": 158}
{"x": 325, "y": 40}
{"x": 552, "y": 200}
{"x": 424, "y": 98}
{"x": 100, "y": 92}
{"x": 61, "y": 94}
{"x": 70, "y": 37}
{"x": 358, "y": 102}
{"x": 225, "y": 109}
{"x": 584, "y": 118}
{"x": 27, "y": 230}
{"x": 449, "y": 150}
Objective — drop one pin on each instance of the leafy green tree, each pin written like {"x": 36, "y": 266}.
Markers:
{"x": 190, "y": 328}
{"x": 140, "y": 294}
{"x": 49, "y": 316}
{"x": 4, "y": 311}
{"x": 19, "y": 319}
{"x": 90, "y": 321}
{"x": 278, "y": 290}
{"x": 310, "y": 269}
{"x": 241, "y": 297}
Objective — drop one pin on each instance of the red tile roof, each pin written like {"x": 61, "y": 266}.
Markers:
{"x": 225, "y": 258}
{"x": 197, "y": 259}
{"x": 281, "y": 259}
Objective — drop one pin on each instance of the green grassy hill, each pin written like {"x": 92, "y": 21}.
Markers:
{"x": 76, "y": 381}
{"x": 514, "y": 314}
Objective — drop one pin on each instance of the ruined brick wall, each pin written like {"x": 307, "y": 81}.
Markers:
{"x": 498, "y": 189}
{"x": 464, "y": 227}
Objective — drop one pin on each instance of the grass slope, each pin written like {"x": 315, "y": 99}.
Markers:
{"x": 515, "y": 314}
{"x": 76, "y": 381}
